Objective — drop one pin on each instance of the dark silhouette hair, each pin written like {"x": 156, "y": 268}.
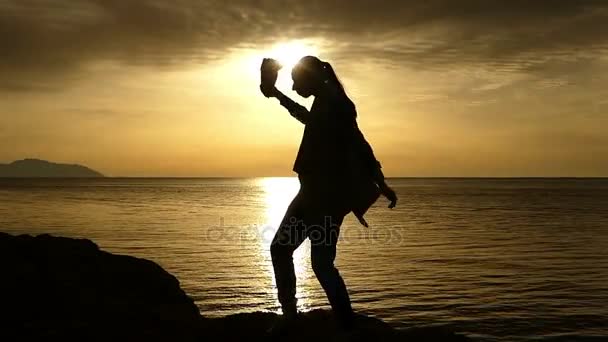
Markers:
{"x": 332, "y": 76}
{"x": 323, "y": 71}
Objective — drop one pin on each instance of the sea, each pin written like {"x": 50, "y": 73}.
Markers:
{"x": 496, "y": 259}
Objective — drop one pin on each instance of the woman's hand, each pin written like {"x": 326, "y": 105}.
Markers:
{"x": 269, "y": 71}
{"x": 389, "y": 194}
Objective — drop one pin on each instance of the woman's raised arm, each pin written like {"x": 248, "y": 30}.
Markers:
{"x": 295, "y": 109}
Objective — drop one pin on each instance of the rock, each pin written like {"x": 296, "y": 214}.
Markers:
{"x": 317, "y": 326}
{"x": 68, "y": 289}
{"x": 32, "y": 168}
{"x": 60, "y": 288}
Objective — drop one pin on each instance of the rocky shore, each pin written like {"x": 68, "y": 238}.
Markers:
{"x": 56, "y": 288}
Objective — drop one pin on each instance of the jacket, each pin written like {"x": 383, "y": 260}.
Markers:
{"x": 334, "y": 148}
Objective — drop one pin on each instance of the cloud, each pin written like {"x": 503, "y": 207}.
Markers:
{"x": 50, "y": 41}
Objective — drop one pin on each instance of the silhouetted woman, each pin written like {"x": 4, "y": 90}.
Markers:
{"x": 338, "y": 174}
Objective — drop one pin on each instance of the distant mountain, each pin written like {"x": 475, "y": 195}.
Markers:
{"x": 41, "y": 168}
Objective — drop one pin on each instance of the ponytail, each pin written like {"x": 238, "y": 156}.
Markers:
{"x": 331, "y": 77}
{"x": 323, "y": 71}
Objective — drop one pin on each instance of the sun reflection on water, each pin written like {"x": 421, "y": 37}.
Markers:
{"x": 277, "y": 194}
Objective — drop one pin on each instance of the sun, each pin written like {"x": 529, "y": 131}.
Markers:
{"x": 247, "y": 60}
{"x": 289, "y": 53}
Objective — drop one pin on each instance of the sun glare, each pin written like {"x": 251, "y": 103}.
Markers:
{"x": 288, "y": 54}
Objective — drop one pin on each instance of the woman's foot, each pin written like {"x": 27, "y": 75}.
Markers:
{"x": 283, "y": 324}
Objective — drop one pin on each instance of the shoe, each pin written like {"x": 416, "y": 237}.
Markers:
{"x": 348, "y": 330}
{"x": 283, "y": 325}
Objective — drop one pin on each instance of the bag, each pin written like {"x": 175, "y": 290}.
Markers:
{"x": 366, "y": 195}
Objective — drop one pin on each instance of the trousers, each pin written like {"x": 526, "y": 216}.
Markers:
{"x": 312, "y": 214}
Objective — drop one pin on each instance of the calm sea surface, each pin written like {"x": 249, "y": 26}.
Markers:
{"x": 496, "y": 259}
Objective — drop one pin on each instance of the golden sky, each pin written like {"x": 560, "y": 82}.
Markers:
{"x": 170, "y": 88}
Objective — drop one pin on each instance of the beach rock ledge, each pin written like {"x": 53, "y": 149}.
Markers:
{"x": 56, "y": 288}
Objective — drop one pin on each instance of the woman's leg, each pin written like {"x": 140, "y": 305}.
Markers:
{"x": 288, "y": 238}
{"x": 324, "y": 237}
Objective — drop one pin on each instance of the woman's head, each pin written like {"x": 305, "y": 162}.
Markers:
{"x": 310, "y": 74}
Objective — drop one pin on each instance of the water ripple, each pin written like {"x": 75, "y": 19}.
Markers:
{"x": 497, "y": 259}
